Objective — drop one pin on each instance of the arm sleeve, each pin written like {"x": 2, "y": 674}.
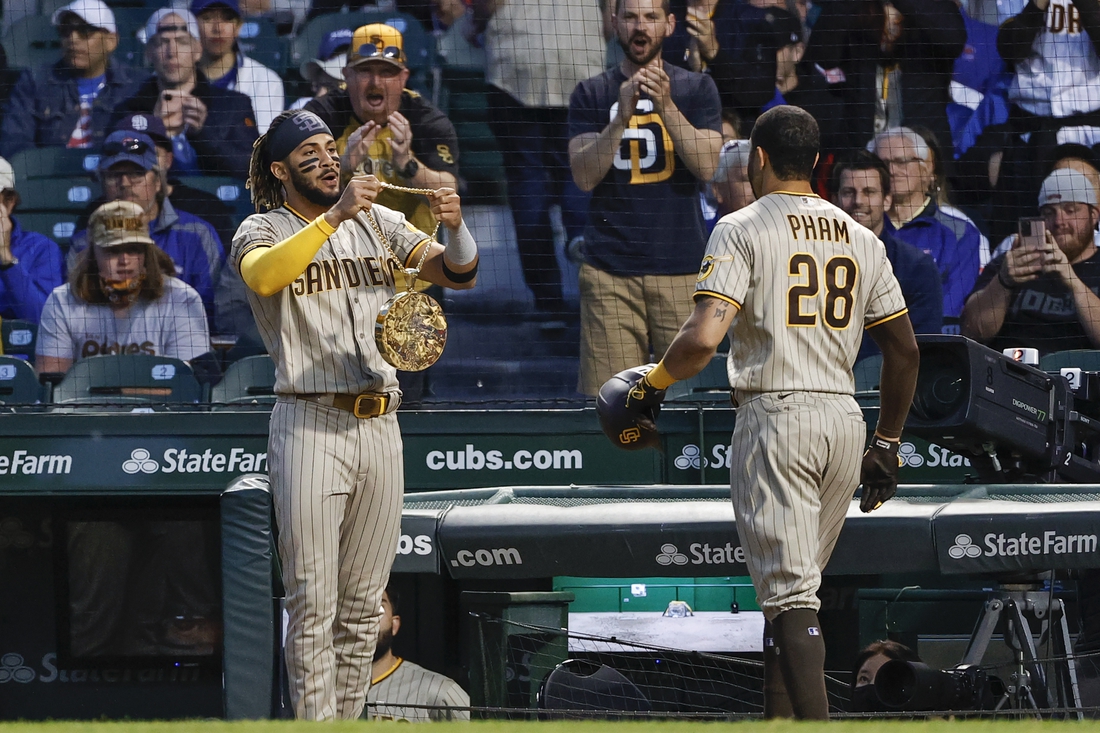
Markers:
{"x": 583, "y": 114}
{"x": 17, "y": 132}
{"x": 54, "y": 337}
{"x": 1018, "y": 33}
{"x": 267, "y": 262}
{"x": 726, "y": 269}
{"x": 31, "y": 281}
{"x": 885, "y": 300}
{"x": 187, "y": 333}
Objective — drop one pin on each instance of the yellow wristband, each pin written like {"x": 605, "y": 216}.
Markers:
{"x": 659, "y": 378}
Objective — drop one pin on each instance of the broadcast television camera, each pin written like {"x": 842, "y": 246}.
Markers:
{"x": 1017, "y": 423}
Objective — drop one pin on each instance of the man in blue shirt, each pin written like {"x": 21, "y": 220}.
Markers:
{"x": 69, "y": 103}
{"x": 643, "y": 137}
{"x": 916, "y": 217}
{"x": 30, "y": 264}
{"x": 861, "y": 186}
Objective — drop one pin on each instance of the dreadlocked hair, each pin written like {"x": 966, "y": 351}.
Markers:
{"x": 267, "y": 190}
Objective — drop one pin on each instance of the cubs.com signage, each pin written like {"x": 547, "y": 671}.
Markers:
{"x": 1012, "y": 536}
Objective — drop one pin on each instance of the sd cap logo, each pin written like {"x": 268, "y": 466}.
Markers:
{"x": 307, "y": 122}
{"x": 630, "y": 435}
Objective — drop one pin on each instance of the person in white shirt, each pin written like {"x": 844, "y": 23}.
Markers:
{"x": 225, "y": 66}
{"x": 120, "y": 299}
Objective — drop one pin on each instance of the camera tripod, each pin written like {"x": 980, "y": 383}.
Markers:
{"x": 1029, "y": 687}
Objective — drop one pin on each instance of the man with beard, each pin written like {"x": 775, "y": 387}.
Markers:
{"x": 396, "y": 682}
{"x": 319, "y": 265}
{"x": 1043, "y": 295}
{"x": 644, "y": 136}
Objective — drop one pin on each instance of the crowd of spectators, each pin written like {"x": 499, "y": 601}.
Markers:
{"x": 939, "y": 132}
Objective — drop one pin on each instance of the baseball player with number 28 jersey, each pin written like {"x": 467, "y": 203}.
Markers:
{"x": 318, "y": 273}
{"x": 794, "y": 281}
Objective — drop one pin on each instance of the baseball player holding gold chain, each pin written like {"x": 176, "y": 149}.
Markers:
{"x": 794, "y": 280}
{"x": 317, "y": 274}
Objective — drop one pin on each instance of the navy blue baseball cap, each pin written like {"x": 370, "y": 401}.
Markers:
{"x": 146, "y": 124}
{"x": 198, "y": 6}
{"x": 330, "y": 56}
{"x": 126, "y": 146}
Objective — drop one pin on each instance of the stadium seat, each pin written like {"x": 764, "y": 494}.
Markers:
{"x": 867, "y": 372}
{"x": 131, "y": 22}
{"x": 581, "y": 686}
{"x": 52, "y": 162}
{"x": 711, "y": 384}
{"x": 57, "y": 225}
{"x": 18, "y": 382}
{"x": 128, "y": 380}
{"x": 261, "y": 41}
{"x": 481, "y": 165}
{"x": 31, "y": 41}
{"x": 231, "y": 191}
{"x": 1088, "y": 359}
{"x": 69, "y": 194}
{"x": 18, "y": 338}
{"x": 249, "y": 382}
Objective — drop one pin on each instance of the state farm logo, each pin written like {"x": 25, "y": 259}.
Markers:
{"x": 964, "y": 547}
{"x": 671, "y": 556}
{"x": 12, "y": 669}
{"x": 690, "y": 457}
{"x": 701, "y": 553}
{"x": 907, "y": 454}
{"x": 140, "y": 462}
{"x": 180, "y": 460}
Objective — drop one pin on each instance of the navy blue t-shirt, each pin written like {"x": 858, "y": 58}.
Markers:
{"x": 644, "y": 218}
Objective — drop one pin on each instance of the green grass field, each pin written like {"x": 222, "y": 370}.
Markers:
{"x": 935, "y": 726}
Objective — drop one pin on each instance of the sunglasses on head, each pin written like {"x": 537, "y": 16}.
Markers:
{"x": 129, "y": 145}
{"x": 371, "y": 50}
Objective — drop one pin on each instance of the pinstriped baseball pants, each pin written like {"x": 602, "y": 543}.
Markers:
{"x": 795, "y": 466}
{"x": 337, "y": 483}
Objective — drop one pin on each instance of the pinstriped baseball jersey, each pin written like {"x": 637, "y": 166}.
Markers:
{"x": 807, "y": 279}
{"x": 411, "y": 684}
{"x": 320, "y": 329}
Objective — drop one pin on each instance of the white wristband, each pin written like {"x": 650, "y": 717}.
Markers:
{"x": 461, "y": 247}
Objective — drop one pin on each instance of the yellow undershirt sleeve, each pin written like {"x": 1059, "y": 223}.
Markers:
{"x": 659, "y": 377}
{"x": 267, "y": 270}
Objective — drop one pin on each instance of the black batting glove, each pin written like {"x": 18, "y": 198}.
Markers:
{"x": 644, "y": 400}
{"x": 879, "y": 473}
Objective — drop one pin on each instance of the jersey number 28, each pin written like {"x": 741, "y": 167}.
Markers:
{"x": 840, "y": 282}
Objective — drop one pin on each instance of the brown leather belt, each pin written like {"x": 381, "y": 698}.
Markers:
{"x": 363, "y": 406}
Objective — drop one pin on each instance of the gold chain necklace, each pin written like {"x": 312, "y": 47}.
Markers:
{"x": 410, "y": 329}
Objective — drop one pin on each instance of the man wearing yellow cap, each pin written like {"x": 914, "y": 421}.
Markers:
{"x": 386, "y": 130}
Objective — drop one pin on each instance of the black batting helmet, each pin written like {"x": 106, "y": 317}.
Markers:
{"x": 628, "y": 429}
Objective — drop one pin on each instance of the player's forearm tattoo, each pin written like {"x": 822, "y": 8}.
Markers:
{"x": 308, "y": 165}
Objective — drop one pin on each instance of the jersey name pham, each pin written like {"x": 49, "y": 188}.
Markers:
{"x": 336, "y": 274}
{"x": 818, "y": 228}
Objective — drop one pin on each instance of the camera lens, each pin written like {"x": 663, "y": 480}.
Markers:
{"x": 942, "y": 385}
